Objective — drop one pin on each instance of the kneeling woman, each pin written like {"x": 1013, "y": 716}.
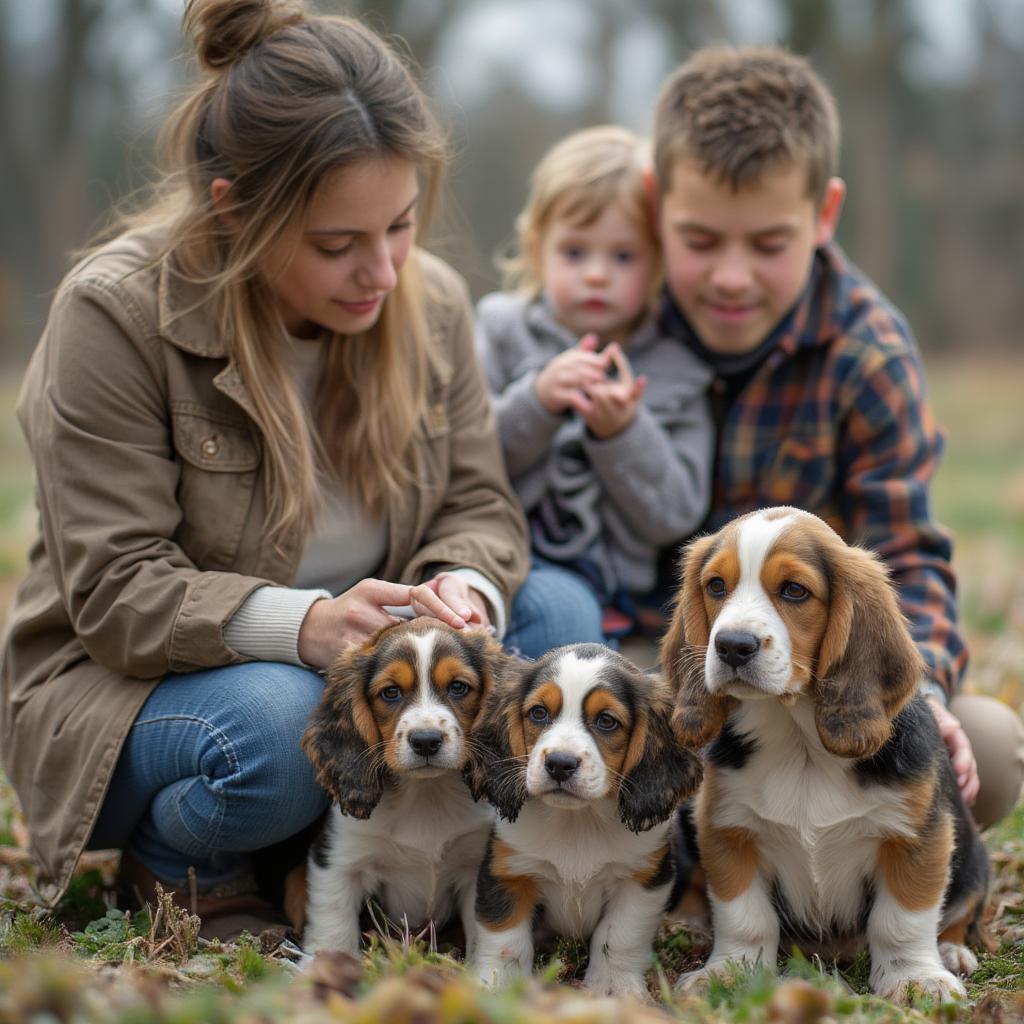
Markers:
{"x": 257, "y": 428}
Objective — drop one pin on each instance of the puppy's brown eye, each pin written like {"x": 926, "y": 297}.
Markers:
{"x": 391, "y": 693}
{"x": 457, "y": 688}
{"x": 538, "y": 713}
{"x": 795, "y": 592}
{"x": 606, "y": 722}
{"x": 716, "y": 586}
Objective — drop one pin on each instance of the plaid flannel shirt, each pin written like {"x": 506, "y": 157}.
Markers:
{"x": 835, "y": 421}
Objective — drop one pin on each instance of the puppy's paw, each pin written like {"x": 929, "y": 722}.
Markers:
{"x": 343, "y": 942}
{"x": 696, "y": 983}
{"x": 958, "y": 959}
{"x": 618, "y": 984}
{"x": 498, "y": 975}
{"x": 939, "y": 985}
{"x": 489, "y": 975}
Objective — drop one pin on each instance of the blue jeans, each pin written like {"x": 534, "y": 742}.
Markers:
{"x": 554, "y": 606}
{"x": 212, "y": 768}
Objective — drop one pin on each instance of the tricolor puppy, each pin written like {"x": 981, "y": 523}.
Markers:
{"x": 578, "y": 757}
{"x": 829, "y": 813}
{"x": 389, "y": 740}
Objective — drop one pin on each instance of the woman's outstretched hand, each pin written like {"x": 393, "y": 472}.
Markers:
{"x": 457, "y": 598}
{"x": 331, "y": 625}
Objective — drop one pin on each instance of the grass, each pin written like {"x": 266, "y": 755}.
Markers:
{"x": 979, "y": 494}
{"x": 980, "y": 489}
{"x": 86, "y": 963}
{"x": 165, "y": 973}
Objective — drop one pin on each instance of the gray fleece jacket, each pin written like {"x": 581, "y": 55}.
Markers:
{"x": 614, "y": 502}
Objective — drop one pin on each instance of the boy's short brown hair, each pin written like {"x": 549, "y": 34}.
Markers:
{"x": 740, "y": 112}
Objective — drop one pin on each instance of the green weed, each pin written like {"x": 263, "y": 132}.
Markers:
{"x": 1004, "y": 969}
{"x": 394, "y": 950}
{"x": 565, "y": 961}
{"x": 116, "y": 936}
{"x": 675, "y": 950}
{"x": 249, "y": 962}
{"x": 858, "y": 973}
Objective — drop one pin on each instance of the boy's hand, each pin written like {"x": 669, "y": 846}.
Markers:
{"x": 959, "y": 748}
{"x": 613, "y": 402}
{"x": 565, "y": 383}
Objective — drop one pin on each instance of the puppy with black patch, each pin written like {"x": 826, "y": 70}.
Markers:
{"x": 829, "y": 815}
{"x": 577, "y": 756}
{"x": 390, "y": 739}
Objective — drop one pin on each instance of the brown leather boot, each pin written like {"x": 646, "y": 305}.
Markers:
{"x": 225, "y": 911}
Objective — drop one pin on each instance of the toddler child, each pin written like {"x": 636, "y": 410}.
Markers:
{"x": 603, "y": 418}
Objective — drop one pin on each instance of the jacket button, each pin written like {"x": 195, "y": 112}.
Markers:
{"x": 210, "y": 447}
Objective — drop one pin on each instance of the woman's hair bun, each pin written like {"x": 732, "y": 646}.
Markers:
{"x": 223, "y": 30}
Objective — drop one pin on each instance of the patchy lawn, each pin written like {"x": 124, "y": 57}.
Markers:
{"x": 85, "y": 963}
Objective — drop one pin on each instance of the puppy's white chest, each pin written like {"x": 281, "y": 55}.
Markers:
{"x": 421, "y": 846}
{"x": 790, "y": 781}
{"x": 580, "y": 858}
{"x": 795, "y": 789}
{"x": 425, "y": 822}
{"x": 818, "y": 827}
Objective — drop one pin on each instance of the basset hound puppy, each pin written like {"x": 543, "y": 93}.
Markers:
{"x": 829, "y": 815}
{"x": 390, "y": 740}
{"x": 578, "y": 757}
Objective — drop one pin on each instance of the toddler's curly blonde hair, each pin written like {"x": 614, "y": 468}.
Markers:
{"x": 576, "y": 180}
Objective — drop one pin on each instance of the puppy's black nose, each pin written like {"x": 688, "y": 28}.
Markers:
{"x": 425, "y": 742}
{"x": 736, "y": 647}
{"x": 560, "y": 766}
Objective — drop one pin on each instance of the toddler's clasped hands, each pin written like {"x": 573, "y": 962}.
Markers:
{"x": 599, "y": 386}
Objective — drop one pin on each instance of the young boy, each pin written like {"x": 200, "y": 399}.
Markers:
{"x": 818, "y": 396}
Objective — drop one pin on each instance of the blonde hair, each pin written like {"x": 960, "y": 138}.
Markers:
{"x": 283, "y": 100}
{"x": 740, "y": 112}
{"x": 578, "y": 179}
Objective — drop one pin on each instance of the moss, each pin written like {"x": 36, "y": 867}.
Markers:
{"x": 26, "y": 931}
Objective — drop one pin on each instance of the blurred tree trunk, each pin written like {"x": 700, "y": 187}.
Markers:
{"x": 417, "y": 25}
{"x": 871, "y": 111}
{"x": 42, "y": 163}
{"x": 980, "y": 203}
{"x": 690, "y": 25}
{"x": 866, "y": 77}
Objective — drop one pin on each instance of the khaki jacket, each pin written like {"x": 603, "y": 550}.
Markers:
{"x": 149, "y": 483}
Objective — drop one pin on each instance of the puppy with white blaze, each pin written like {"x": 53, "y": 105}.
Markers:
{"x": 390, "y": 740}
{"x": 829, "y": 815}
{"x": 578, "y": 757}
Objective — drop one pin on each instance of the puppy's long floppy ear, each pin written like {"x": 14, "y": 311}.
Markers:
{"x": 868, "y": 666}
{"x": 342, "y": 732}
{"x": 490, "y": 661}
{"x": 658, "y": 774}
{"x": 497, "y": 763}
{"x": 699, "y": 715}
